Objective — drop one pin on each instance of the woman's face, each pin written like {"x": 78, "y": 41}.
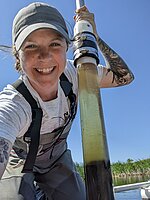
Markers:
{"x": 43, "y": 57}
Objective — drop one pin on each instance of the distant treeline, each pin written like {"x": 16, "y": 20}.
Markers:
{"x": 122, "y": 169}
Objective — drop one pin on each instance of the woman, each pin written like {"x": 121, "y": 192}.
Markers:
{"x": 40, "y": 42}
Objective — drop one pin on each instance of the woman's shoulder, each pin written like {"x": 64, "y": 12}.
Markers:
{"x": 9, "y": 92}
{"x": 10, "y": 95}
{"x": 15, "y": 112}
{"x": 71, "y": 73}
{"x": 70, "y": 68}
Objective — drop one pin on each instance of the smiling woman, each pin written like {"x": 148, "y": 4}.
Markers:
{"x": 43, "y": 59}
{"x": 40, "y": 164}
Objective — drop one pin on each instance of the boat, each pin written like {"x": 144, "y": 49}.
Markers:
{"x": 133, "y": 186}
{"x": 145, "y": 193}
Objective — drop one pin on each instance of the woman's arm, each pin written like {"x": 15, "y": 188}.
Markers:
{"x": 116, "y": 72}
{"x": 5, "y": 148}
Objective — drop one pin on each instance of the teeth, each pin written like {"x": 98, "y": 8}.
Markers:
{"x": 45, "y": 70}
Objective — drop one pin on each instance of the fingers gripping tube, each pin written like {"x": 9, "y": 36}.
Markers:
{"x": 85, "y": 45}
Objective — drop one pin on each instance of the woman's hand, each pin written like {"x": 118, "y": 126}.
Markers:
{"x": 84, "y": 14}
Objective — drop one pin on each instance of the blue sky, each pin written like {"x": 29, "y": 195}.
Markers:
{"x": 125, "y": 26}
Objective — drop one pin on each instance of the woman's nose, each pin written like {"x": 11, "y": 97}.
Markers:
{"x": 45, "y": 53}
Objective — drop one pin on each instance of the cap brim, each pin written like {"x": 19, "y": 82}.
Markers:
{"x": 28, "y": 30}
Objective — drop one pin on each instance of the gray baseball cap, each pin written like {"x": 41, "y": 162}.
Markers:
{"x": 36, "y": 16}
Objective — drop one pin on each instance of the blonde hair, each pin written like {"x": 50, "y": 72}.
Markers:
{"x": 17, "y": 63}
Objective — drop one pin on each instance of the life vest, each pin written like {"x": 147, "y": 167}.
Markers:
{"x": 54, "y": 143}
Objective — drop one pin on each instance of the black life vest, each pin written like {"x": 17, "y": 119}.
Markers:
{"x": 32, "y": 136}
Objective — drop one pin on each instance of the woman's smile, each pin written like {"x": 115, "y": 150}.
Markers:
{"x": 45, "y": 71}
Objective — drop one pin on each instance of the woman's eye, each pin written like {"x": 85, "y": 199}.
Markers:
{"x": 55, "y": 44}
{"x": 30, "y": 46}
